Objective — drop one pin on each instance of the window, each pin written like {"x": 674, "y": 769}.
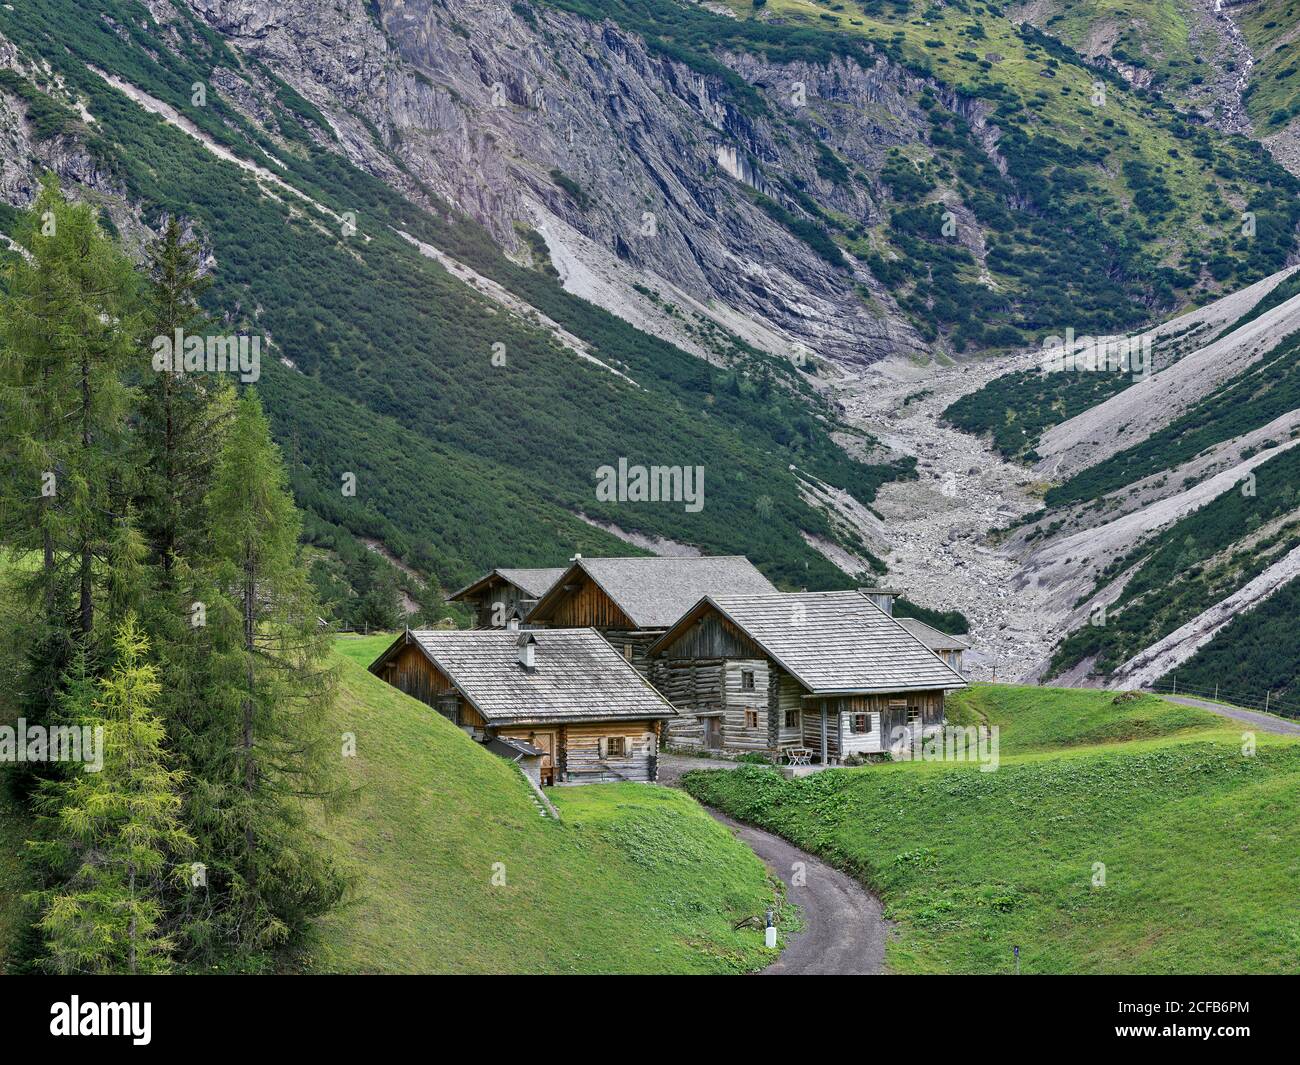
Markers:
{"x": 751, "y": 719}
{"x": 627, "y": 652}
{"x": 861, "y": 723}
{"x": 747, "y": 679}
{"x": 616, "y": 746}
{"x": 792, "y": 719}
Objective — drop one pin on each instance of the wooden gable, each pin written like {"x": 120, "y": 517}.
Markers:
{"x": 706, "y": 634}
{"x": 582, "y": 603}
{"x": 409, "y": 670}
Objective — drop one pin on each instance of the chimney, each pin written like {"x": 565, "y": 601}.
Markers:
{"x": 527, "y": 644}
{"x": 882, "y": 597}
{"x": 576, "y": 558}
{"x": 513, "y": 623}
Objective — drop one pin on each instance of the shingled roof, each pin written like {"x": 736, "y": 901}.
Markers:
{"x": 932, "y": 637}
{"x": 577, "y": 675}
{"x": 533, "y": 582}
{"x": 832, "y": 643}
{"x": 655, "y": 591}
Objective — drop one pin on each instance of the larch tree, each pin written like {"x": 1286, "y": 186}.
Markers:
{"x": 112, "y": 835}
{"x": 67, "y": 332}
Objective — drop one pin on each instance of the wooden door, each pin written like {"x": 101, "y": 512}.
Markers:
{"x": 713, "y": 733}
{"x": 546, "y": 741}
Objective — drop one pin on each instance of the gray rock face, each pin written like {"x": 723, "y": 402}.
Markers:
{"x": 483, "y": 106}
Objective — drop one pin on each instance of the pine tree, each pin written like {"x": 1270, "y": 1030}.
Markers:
{"x": 261, "y": 744}
{"x": 111, "y": 833}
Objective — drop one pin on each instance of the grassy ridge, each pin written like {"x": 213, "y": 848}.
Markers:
{"x": 635, "y": 879}
{"x": 1198, "y": 842}
{"x": 1035, "y": 719}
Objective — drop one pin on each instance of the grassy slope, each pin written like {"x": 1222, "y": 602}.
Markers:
{"x": 1200, "y": 845}
{"x": 1035, "y": 719}
{"x": 635, "y": 879}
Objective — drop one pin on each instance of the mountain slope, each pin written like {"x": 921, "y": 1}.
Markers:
{"x": 384, "y": 344}
{"x": 1171, "y": 511}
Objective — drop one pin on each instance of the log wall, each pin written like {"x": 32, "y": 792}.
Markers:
{"x": 586, "y": 760}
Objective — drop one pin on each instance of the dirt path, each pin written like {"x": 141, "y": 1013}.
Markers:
{"x": 844, "y": 932}
{"x": 1263, "y": 722}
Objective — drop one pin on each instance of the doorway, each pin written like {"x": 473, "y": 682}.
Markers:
{"x": 713, "y": 733}
{"x": 546, "y": 741}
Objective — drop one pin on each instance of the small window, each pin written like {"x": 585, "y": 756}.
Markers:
{"x": 751, "y": 719}
{"x": 792, "y": 719}
{"x": 627, "y": 652}
{"x": 861, "y": 723}
{"x": 747, "y": 679}
{"x": 616, "y": 746}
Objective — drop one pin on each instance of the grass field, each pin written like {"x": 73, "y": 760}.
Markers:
{"x": 634, "y": 879}
{"x": 1174, "y": 852}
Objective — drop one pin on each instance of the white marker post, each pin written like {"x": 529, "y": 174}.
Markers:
{"x": 771, "y": 932}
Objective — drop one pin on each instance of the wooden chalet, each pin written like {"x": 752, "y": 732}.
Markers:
{"x": 633, "y": 601}
{"x": 949, "y": 648}
{"x": 828, "y": 674}
{"x": 565, "y": 693}
{"x": 505, "y": 595}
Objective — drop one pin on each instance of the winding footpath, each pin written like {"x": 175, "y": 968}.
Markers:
{"x": 844, "y": 928}
{"x": 844, "y": 931}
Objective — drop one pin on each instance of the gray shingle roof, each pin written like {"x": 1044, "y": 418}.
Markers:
{"x": 655, "y": 591}
{"x": 578, "y": 676}
{"x": 932, "y": 637}
{"x": 534, "y": 582}
{"x": 836, "y": 642}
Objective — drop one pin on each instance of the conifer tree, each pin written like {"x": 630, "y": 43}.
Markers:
{"x": 66, "y": 334}
{"x": 182, "y": 415}
{"x": 111, "y": 833}
{"x": 262, "y": 743}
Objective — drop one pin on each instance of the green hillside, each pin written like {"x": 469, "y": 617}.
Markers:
{"x": 634, "y": 879}
{"x": 1198, "y": 841}
{"x": 1039, "y": 719}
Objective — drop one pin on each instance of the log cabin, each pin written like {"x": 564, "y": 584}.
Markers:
{"x": 504, "y": 595}
{"x": 827, "y": 674}
{"x": 563, "y": 692}
{"x": 633, "y": 601}
{"x": 949, "y": 648}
